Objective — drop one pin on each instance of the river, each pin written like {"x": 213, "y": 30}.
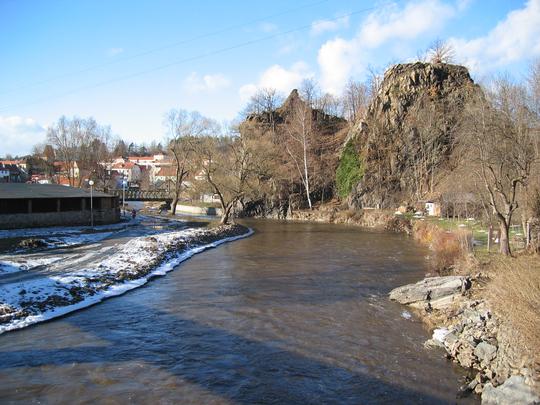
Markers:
{"x": 297, "y": 313}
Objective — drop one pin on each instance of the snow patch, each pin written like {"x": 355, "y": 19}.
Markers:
{"x": 138, "y": 252}
{"x": 440, "y": 334}
{"x": 406, "y": 315}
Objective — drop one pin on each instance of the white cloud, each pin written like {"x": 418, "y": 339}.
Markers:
{"x": 195, "y": 83}
{"x": 279, "y": 78}
{"x": 268, "y": 27}
{"x": 321, "y": 26}
{"x": 19, "y": 135}
{"x": 408, "y": 23}
{"x": 515, "y": 38}
{"x": 114, "y": 51}
{"x": 339, "y": 58}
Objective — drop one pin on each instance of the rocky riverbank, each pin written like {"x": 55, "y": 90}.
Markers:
{"x": 367, "y": 218}
{"x": 33, "y": 300}
{"x": 474, "y": 337}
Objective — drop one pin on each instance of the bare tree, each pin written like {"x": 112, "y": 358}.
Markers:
{"x": 440, "y": 52}
{"x": 310, "y": 92}
{"x": 183, "y": 127}
{"x": 265, "y": 102}
{"x": 502, "y": 143}
{"x": 232, "y": 168}
{"x": 298, "y": 140}
{"x": 432, "y": 138}
{"x": 75, "y": 142}
{"x": 355, "y": 100}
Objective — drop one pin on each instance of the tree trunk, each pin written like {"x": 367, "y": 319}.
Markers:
{"x": 226, "y": 213}
{"x": 504, "y": 240}
{"x": 174, "y": 202}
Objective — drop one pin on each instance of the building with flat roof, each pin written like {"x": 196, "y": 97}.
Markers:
{"x": 34, "y": 205}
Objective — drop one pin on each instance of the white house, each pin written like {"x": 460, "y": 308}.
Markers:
{"x": 127, "y": 169}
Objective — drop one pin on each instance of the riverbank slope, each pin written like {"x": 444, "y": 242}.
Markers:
{"x": 35, "y": 299}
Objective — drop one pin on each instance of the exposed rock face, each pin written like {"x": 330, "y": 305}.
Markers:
{"x": 414, "y": 114}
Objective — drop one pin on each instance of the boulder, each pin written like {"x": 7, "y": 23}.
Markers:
{"x": 485, "y": 352}
{"x": 32, "y": 243}
{"x": 435, "y": 291}
{"x": 513, "y": 391}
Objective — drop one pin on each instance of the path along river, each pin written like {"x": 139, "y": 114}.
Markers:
{"x": 297, "y": 313}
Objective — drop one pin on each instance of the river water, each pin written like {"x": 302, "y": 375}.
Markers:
{"x": 297, "y": 313}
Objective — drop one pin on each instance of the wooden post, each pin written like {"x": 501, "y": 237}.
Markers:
{"x": 528, "y": 235}
{"x": 58, "y": 205}
{"x": 29, "y": 206}
{"x": 490, "y": 236}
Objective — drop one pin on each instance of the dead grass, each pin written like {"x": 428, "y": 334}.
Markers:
{"x": 449, "y": 248}
{"x": 514, "y": 294}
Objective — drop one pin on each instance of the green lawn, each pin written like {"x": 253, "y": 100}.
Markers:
{"x": 479, "y": 231}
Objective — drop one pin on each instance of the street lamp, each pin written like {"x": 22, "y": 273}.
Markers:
{"x": 91, "y": 183}
{"x": 124, "y": 184}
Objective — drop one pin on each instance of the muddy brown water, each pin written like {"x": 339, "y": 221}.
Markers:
{"x": 297, "y": 313}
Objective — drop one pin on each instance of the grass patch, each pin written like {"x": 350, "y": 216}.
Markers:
{"x": 479, "y": 232}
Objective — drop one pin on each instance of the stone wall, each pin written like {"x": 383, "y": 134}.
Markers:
{"x": 102, "y": 216}
{"x": 189, "y": 209}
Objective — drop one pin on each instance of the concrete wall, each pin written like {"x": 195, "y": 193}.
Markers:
{"x": 189, "y": 209}
{"x": 103, "y": 216}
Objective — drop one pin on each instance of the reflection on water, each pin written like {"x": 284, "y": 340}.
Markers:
{"x": 295, "y": 314}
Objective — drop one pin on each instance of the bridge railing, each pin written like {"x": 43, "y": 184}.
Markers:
{"x": 142, "y": 195}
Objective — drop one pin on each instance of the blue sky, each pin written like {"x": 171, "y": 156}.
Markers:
{"x": 128, "y": 62}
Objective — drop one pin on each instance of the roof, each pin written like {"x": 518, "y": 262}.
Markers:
{"x": 167, "y": 171}
{"x": 141, "y": 158}
{"x": 22, "y": 190}
{"x": 10, "y": 167}
{"x": 12, "y": 162}
{"x": 127, "y": 165}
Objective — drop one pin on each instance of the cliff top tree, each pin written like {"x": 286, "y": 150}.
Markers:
{"x": 441, "y": 52}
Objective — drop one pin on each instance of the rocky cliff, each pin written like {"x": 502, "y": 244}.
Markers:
{"x": 283, "y": 189}
{"x": 408, "y": 133}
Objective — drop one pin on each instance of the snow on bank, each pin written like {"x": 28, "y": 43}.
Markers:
{"x": 63, "y": 230}
{"x": 36, "y": 300}
{"x": 21, "y": 264}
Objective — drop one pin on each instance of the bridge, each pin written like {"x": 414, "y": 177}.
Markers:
{"x": 142, "y": 195}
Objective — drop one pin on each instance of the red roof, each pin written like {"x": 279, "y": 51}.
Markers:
{"x": 141, "y": 158}
{"x": 11, "y": 162}
{"x": 127, "y": 165}
{"x": 167, "y": 171}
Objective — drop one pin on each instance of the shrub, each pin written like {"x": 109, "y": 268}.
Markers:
{"x": 349, "y": 171}
{"x": 448, "y": 247}
{"x": 514, "y": 293}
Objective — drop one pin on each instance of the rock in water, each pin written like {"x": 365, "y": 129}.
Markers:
{"x": 436, "y": 291}
{"x": 514, "y": 391}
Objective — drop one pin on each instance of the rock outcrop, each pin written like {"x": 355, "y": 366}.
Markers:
{"x": 413, "y": 116}
{"x": 285, "y": 191}
{"x": 473, "y": 337}
{"x": 513, "y": 391}
{"x": 431, "y": 292}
